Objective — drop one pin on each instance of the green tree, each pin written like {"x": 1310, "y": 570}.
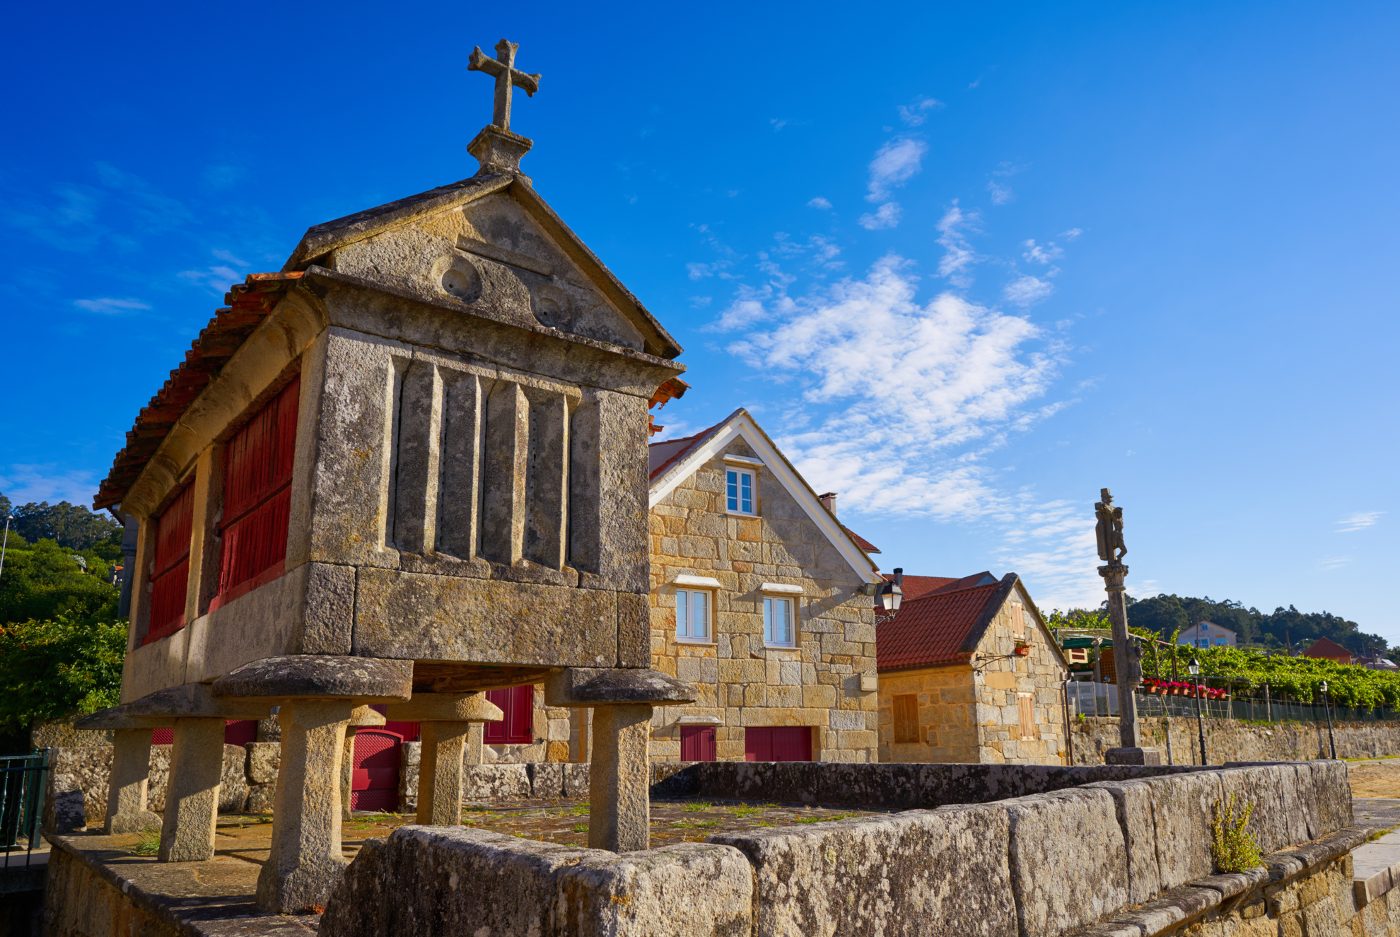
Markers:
{"x": 71, "y": 525}
{"x": 56, "y": 668}
{"x": 47, "y": 581}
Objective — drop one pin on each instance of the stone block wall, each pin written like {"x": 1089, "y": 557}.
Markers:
{"x": 947, "y": 709}
{"x": 741, "y": 682}
{"x": 1232, "y": 740}
{"x": 1006, "y": 678}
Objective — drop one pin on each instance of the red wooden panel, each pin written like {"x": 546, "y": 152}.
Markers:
{"x": 374, "y": 771}
{"x": 408, "y": 731}
{"x": 778, "y": 743}
{"x": 240, "y": 731}
{"x": 257, "y": 495}
{"x": 698, "y": 743}
{"x": 517, "y": 727}
{"x": 170, "y": 566}
{"x": 165, "y": 735}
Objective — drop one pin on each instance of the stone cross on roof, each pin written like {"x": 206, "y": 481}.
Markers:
{"x": 503, "y": 69}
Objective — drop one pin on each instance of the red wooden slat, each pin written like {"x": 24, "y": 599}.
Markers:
{"x": 170, "y": 567}
{"x": 257, "y": 492}
{"x": 697, "y": 743}
{"x": 778, "y": 743}
{"x": 374, "y": 775}
{"x": 517, "y": 727}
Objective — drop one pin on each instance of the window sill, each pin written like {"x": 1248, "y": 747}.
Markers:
{"x": 782, "y": 647}
{"x": 741, "y": 513}
{"x": 690, "y": 642}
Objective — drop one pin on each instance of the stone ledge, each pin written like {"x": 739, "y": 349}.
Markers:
{"x": 1375, "y": 868}
{"x": 320, "y": 676}
{"x": 1220, "y": 892}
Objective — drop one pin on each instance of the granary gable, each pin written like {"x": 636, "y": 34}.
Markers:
{"x": 673, "y": 461}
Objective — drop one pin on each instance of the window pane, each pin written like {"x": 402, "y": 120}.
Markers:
{"x": 699, "y": 617}
{"x": 731, "y": 481}
{"x": 682, "y": 609}
{"x": 767, "y": 621}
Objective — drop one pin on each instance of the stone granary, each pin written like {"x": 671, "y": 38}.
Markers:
{"x": 408, "y": 468}
{"x": 970, "y": 673}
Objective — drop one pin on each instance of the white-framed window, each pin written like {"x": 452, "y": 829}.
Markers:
{"x": 778, "y": 624}
{"x": 692, "y": 615}
{"x": 739, "y": 490}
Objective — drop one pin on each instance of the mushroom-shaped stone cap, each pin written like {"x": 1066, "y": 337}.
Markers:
{"x": 186, "y": 701}
{"x": 320, "y": 676}
{"x": 603, "y": 686}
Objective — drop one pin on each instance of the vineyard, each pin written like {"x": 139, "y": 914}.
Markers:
{"x": 1244, "y": 673}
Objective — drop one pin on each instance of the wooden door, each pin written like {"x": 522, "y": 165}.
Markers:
{"x": 697, "y": 743}
{"x": 374, "y": 774}
{"x": 778, "y": 743}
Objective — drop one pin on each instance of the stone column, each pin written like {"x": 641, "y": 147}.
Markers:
{"x": 619, "y": 778}
{"x": 446, "y": 748}
{"x": 192, "y": 793}
{"x": 306, "y": 859}
{"x": 126, "y": 792}
{"x": 1130, "y": 750}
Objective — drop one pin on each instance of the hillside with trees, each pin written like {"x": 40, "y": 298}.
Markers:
{"x": 1282, "y": 629}
{"x": 61, "y": 642}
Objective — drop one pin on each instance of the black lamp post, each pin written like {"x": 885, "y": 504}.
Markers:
{"x": 1195, "y": 668}
{"x": 890, "y": 597}
{"x": 1327, "y": 708}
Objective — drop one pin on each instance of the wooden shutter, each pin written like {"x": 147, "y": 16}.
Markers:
{"x": 906, "y": 717}
{"x": 170, "y": 567}
{"x": 517, "y": 725}
{"x": 1025, "y": 704}
{"x": 778, "y": 743}
{"x": 257, "y": 496}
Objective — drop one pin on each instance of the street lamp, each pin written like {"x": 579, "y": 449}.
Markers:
{"x": 1195, "y": 668}
{"x": 4, "y": 544}
{"x": 1327, "y": 708}
{"x": 890, "y": 597}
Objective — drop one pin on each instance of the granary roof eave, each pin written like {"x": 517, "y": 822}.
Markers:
{"x": 741, "y": 424}
{"x": 962, "y": 660}
{"x": 317, "y": 276}
{"x": 323, "y": 239}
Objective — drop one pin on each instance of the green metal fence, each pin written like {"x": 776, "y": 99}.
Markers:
{"x": 23, "y": 780}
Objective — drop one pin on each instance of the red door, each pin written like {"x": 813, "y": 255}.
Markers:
{"x": 374, "y": 775}
{"x": 698, "y": 743}
{"x": 778, "y": 743}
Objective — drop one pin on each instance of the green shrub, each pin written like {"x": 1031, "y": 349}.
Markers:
{"x": 1232, "y": 846}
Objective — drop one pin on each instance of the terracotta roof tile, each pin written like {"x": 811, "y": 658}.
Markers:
{"x": 248, "y": 304}
{"x": 941, "y": 624}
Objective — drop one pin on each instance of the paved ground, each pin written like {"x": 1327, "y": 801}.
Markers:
{"x": 1375, "y": 787}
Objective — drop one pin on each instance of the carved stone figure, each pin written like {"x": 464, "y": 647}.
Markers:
{"x": 1110, "y": 529}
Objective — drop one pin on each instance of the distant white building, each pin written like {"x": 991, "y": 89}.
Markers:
{"x": 1207, "y": 634}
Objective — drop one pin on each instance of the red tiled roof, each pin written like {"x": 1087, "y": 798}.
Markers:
{"x": 1327, "y": 649}
{"x": 662, "y": 455}
{"x": 248, "y": 304}
{"x": 861, "y": 542}
{"x": 942, "y": 624}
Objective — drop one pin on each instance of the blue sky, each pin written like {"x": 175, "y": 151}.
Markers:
{"x": 967, "y": 263}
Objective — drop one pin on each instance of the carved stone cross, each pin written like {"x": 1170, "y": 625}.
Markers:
{"x": 503, "y": 69}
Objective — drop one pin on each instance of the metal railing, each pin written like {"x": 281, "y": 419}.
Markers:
{"x": 23, "y": 780}
{"x": 1101, "y": 699}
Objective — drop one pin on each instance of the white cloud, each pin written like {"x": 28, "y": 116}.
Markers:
{"x": 111, "y": 305}
{"x": 1026, "y": 290}
{"x": 1071, "y": 234}
{"x": 886, "y": 216}
{"x": 1358, "y": 521}
{"x": 820, "y": 202}
{"x": 958, "y": 256}
{"x": 25, "y": 483}
{"x": 217, "y": 278}
{"x": 894, "y": 164}
{"x": 916, "y": 111}
{"x": 1000, "y": 192}
{"x": 1334, "y": 562}
{"x": 778, "y": 123}
{"x": 1043, "y": 254}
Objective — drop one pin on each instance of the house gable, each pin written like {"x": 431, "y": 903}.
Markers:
{"x": 740, "y": 429}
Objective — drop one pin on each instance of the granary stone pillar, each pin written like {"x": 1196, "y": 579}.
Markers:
{"x": 361, "y": 717}
{"x": 317, "y": 695}
{"x": 451, "y": 731}
{"x": 127, "y": 790}
{"x": 192, "y": 791}
{"x": 306, "y": 859}
{"x": 619, "y": 780}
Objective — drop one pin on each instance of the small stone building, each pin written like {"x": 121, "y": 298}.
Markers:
{"x": 760, "y": 599}
{"x": 970, "y": 673}
{"x": 1207, "y": 634}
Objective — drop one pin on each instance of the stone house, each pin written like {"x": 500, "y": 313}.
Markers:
{"x": 970, "y": 673}
{"x": 760, "y": 599}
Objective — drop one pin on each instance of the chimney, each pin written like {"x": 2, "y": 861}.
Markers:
{"x": 828, "y": 501}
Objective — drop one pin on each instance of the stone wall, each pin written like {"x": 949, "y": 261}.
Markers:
{"x": 1125, "y": 857}
{"x": 741, "y": 682}
{"x": 1232, "y": 740}
{"x": 947, "y": 715}
{"x": 1005, "y": 678}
